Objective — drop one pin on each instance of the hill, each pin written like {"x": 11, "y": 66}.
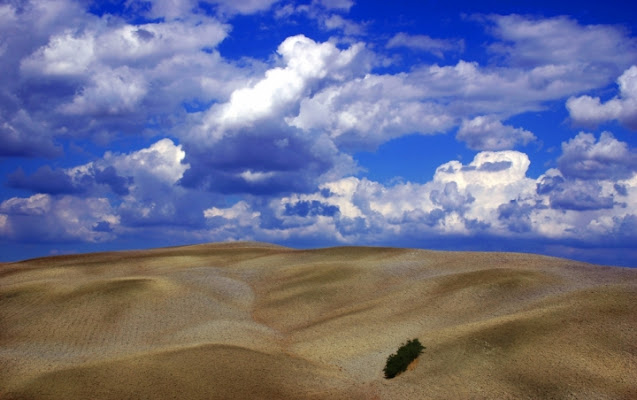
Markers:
{"x": 256, "y": 321}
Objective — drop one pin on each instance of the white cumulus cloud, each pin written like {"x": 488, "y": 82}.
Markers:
{"x": 488, "y": 133}
{"x": 163, "y": 160}
{"x": 584, "y": 157}
{"x": 109, "y": 92}
{"x": 371, "y": 110}
{"x": 306, "y": 62}
{"x": 56, "y": 219}
{"x": 587, "y": 110}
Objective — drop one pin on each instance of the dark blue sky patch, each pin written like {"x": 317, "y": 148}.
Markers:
{"x": 621, "y": 189}
{"x": 44, "y": 180}
{"x": 311, "y": 208}
{"x": 103, "y": 226}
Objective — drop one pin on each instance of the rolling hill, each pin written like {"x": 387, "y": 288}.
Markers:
{"x": 251, "y": 320}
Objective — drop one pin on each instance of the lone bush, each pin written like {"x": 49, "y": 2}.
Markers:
{"x": 397, "y": 363}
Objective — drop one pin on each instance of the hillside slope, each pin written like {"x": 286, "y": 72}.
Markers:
{"x": 257, "y": 321}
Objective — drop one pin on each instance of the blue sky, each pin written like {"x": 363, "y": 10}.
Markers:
{"x": 500, "y": 126}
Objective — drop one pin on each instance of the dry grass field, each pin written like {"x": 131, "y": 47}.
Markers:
{"x": 257, "y": 321}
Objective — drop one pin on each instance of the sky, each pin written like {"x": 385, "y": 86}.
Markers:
{"x": 451, "y": 125}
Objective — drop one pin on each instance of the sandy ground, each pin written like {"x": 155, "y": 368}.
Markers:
{"x": 257, "y": 321}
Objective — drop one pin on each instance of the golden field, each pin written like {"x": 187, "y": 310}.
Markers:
{"x": 256, "y": 321}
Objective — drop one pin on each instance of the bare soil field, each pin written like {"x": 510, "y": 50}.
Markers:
{"x": 256, "y": 321}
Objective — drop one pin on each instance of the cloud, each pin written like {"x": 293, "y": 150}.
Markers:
{"x": 38, "y": 204}
{"x": 143, "y": 174}
{"x": 45, "y": 218}
{"x": 437, "y": 47}
{"x": 488, "y": 168}
{"x": 327, "y": 14}
{"x": 580, "y": 196}
{"x": 155, "y": 197}
{"x": 24, "y": 137}
{"x": 246, "y": 145}
{"x": 39, "y": 19}
{"x": 368, "y": 111}
{"x": 491, "y": 195}
{"x": 238, "y": 212}
{"x": 549, "y": 181}
{"x": 376, "y": 108}
{"x": 469, "y": 89}
{"x": 109, "y": 92}
{"x": 140, "y": 187}
{"x": 516, "y": 215}
{"x": 76, "y": 53}
{"x": 532, "y": 42}
{"x": 44, "y": 180}
{"x": 267, "y": 149}
{"x": 177, "y": 9}
{"x": 340, "y": 5}
{"x": 305, "y": 63}
{"x": 64, "y": 55}
{"x": 488, "y": 133}
{"x": 127, "y": 73}
{"x": 63, "y": 181}
{"x": 621, "y": 189}
{"x": 91, "y": 76}
{"x": 238, "y": 222}
{"x": 276, "y": 159}
{"x": 118, "y": 184}
{"x": 587, "y": 110}
{"x": 626, "y": 227}
{"x": 169, "y": 9}
{"x": 583, "y": 157}
{"x": 450, "y": 199}
{"x": 459, "y": 199}
{"x": 337, "y": 22}
{"x": 162, "y": 161}
{"x": 244, "y": 6}
{"x": 490, "y": 180}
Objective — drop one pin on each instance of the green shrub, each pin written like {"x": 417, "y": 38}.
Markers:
{"x": 397, "y": 363}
